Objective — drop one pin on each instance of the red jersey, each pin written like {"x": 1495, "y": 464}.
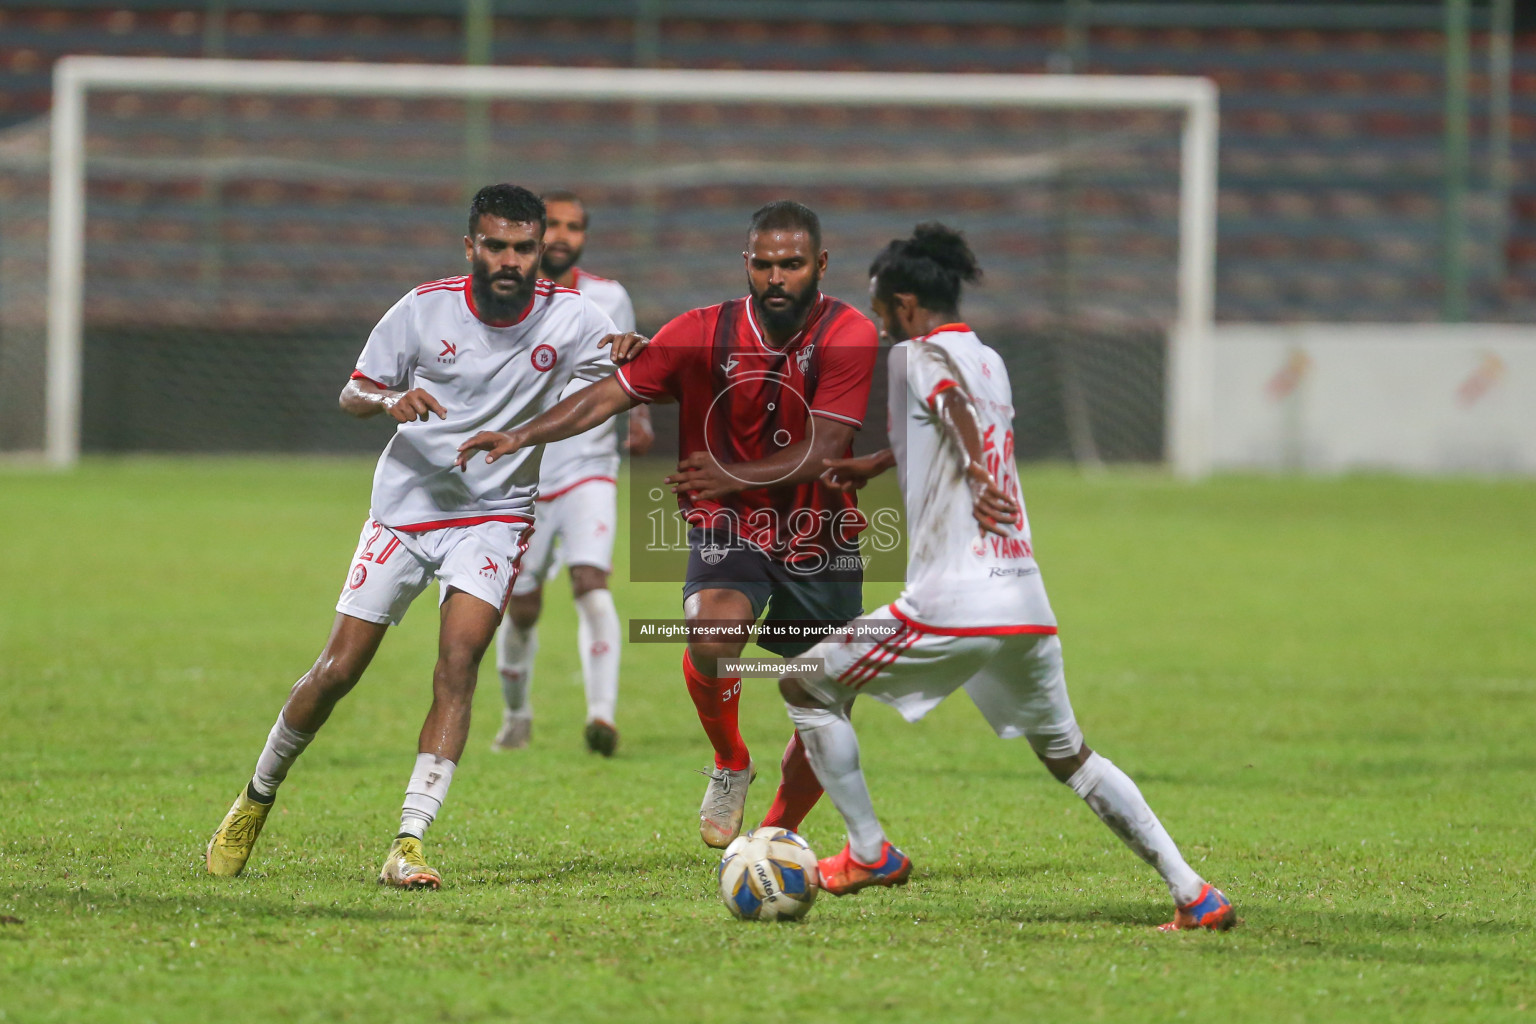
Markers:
{"x": 741, "y": 399}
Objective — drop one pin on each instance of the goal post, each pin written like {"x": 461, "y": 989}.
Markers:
{"x": 1188, "y": 371}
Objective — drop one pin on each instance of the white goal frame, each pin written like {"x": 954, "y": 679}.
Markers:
{"x": 1190, "y": 367}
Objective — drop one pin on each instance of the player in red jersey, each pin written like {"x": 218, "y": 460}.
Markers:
{"x": 767, "y": 386}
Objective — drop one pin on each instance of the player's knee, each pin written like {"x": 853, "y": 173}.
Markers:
{"x": 334, "y": 674}
{"x": 587, "y": 578}
{"x": 456, "y": 670}
{"x": 808, "y": 711}
{"x": 1060, "y": 759}
{"x": 796, "y": 695}
{"x": 524, "y": 609}
{"x": 707, "y": 654}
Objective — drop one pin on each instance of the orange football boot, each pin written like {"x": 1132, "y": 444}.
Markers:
{"x": 1211, "y": 910}
{"x": 843, "y": 874}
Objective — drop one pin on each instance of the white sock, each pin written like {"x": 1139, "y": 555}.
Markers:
{"x": 597, "y": 634}
{"x": 284, "y": 745}
{"x": 515, "y": 649}
{"x": 833, "y": 749}
{"x": 425, "y": 793}
{"x": 1120, "y": 805}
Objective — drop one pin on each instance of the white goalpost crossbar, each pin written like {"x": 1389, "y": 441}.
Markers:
{"x": 1189, "y": 373}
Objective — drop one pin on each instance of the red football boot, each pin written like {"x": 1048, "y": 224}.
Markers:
{"x": 842, "y": 874}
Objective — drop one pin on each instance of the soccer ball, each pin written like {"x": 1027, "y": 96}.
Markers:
{"x": 769, "y": 875}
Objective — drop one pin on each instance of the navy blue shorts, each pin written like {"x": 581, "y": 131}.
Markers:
{"x": 718, "y": 560}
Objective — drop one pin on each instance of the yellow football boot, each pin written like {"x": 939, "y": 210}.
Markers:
{"x": 406, "y": 866}
{"x": 235, "y": 837}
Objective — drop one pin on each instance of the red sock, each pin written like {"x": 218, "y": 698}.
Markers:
{"x": 717, "y": 701}
{"x": 798, "y": 788}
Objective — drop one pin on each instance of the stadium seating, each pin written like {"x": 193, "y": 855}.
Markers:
{"x": 1331, "y": 141}
{"x": 1329, "y": 204}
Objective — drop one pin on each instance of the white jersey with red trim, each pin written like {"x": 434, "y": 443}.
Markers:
{"x": 593, "y": 455}
{"x": 487, "y": 377}
{"x": 957, "y": 580}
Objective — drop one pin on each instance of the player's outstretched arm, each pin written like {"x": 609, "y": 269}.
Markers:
{"x": 851, "y": 474}
{"x": 702, "y": 475}
{"x": 363, "y": 398}
{"x": 991, "y": 505}
{"x": 570, "y": 416}
{"x": 641, "y": 434}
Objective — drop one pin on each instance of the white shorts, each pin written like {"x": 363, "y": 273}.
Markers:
{"x": 1015, "y": 679}
{"x": 582, "y": 518}
{"x": 391, "y": 567}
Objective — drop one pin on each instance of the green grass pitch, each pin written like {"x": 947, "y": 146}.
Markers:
{"x": 1327, "y": 689}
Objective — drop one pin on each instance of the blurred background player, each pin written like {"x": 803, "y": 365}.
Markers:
{"x": 767, "y": 386}
{"x": 974, "y": 613}
{"x": 578, "y": 506}
{"x": 495, "y": 347}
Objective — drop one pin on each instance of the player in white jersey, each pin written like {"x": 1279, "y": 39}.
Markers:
{"x": 974, "y": 614}
{"x": 452, "y": 358}
{"x": 578, "y": 507}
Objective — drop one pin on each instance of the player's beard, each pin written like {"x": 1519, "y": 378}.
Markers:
{"x": 496, "y": 307}
{"x": 792, "y": 317}
{"x": 557, "y": 261}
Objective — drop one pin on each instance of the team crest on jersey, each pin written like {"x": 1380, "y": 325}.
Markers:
{"x": 803, "y": 358}
{"x": 450, "y": 352}
{"x": 544, "y": 358}
{"x": 358, "y": 578}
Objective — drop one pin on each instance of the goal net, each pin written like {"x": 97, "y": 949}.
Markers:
{"x": 224, "y": 234}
